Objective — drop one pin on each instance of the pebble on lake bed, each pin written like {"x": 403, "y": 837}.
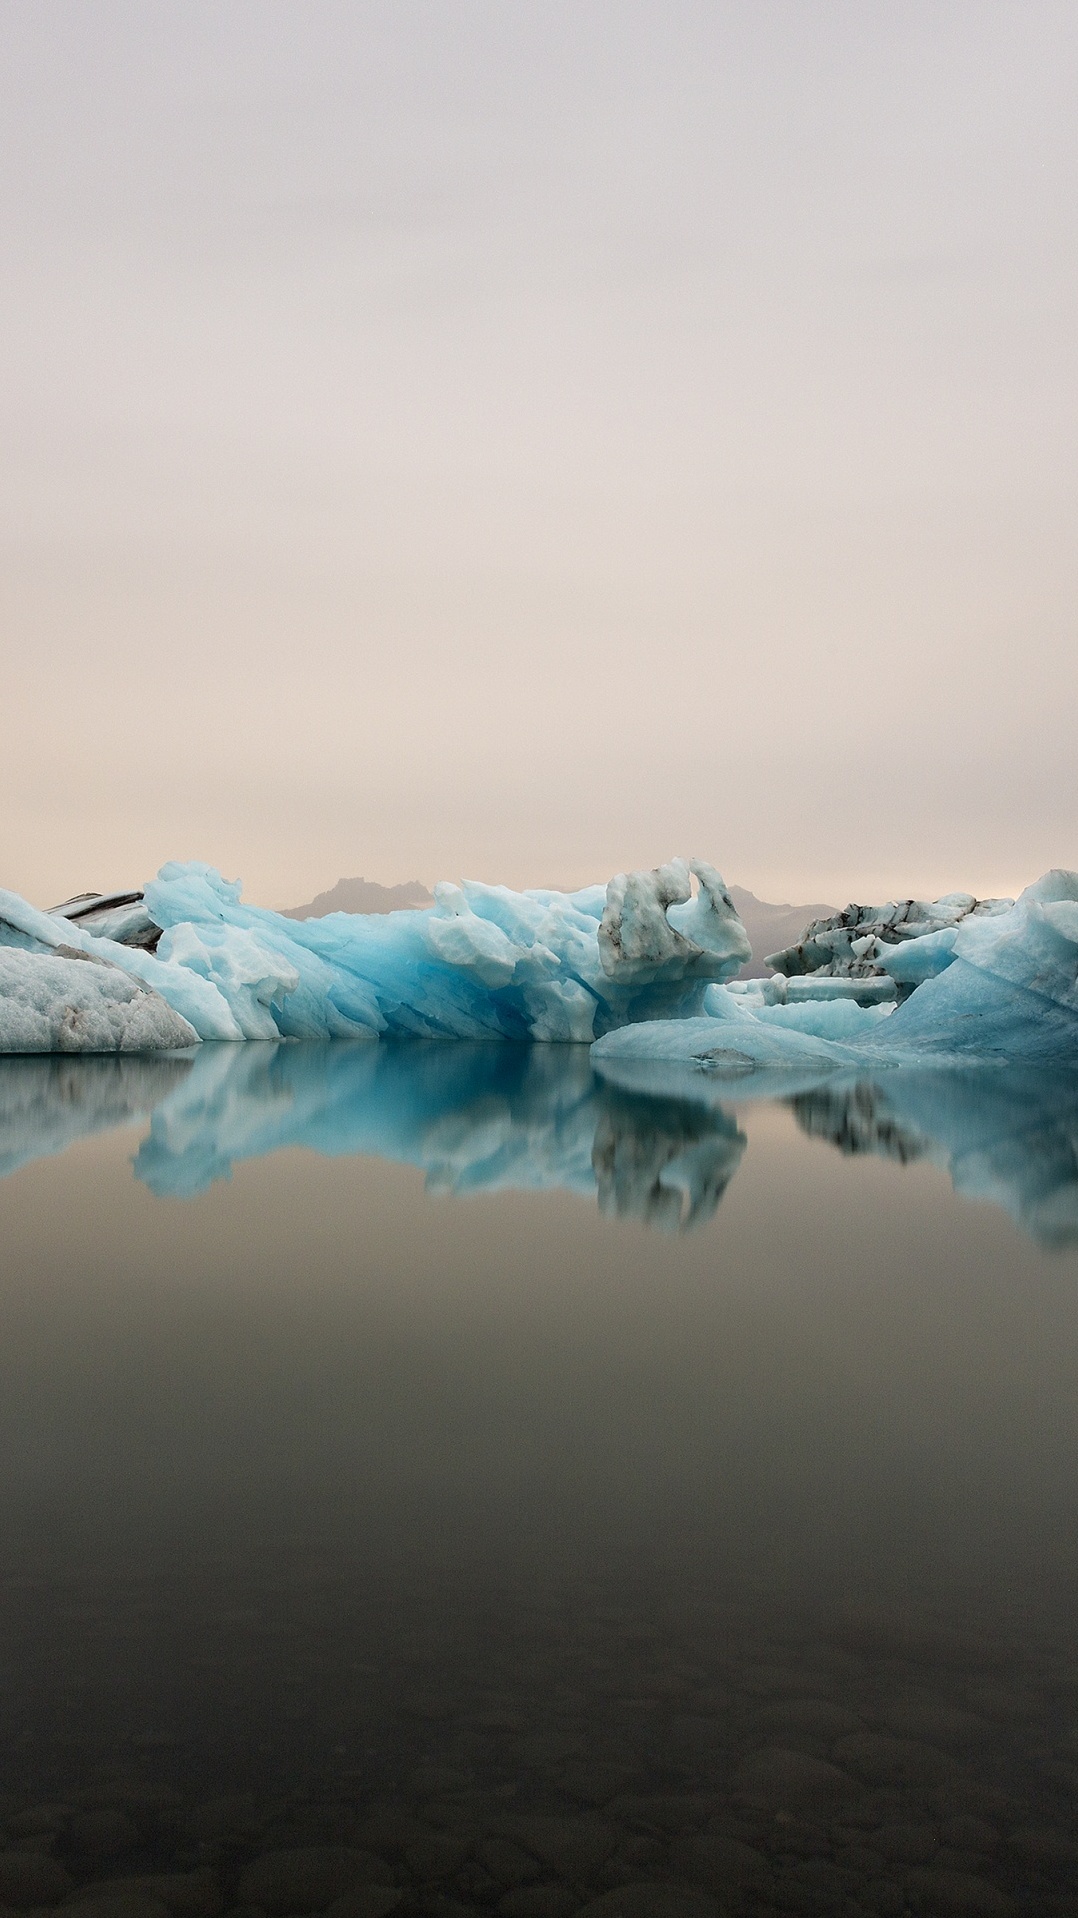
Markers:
{"x": 652, "y": 1901}
{"x": 28, "y": 1879}
{"x": 310, "y": 1878}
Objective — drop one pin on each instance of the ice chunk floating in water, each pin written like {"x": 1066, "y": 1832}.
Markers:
{"x": 50, "y": 1002}
{"x": 643, "y": 965}
{"x": 482, "y": 962}
{"x": 1000, "y": 986}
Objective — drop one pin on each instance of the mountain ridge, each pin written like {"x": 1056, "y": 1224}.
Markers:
{"x": 770, "y": 926}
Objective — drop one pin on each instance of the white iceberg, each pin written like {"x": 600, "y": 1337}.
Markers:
{"x": 50, "y": 1002}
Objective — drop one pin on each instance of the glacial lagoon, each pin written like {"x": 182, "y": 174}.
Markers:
{"x": 437, "y": 1476}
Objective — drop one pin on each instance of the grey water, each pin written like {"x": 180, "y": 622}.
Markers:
{"x": 500, "y": 1492}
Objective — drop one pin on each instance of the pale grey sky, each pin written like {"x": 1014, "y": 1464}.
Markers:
{"x": 523, "y": 441}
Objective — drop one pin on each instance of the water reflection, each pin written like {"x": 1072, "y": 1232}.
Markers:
{"x": 484, "y": 1560}
{"x": 486, "y": 1118}
{"x": 1008, "y": 1137}
{"x": 46, "y": 1104}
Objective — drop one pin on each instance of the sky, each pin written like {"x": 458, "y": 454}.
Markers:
{"x": 525, "y": 442}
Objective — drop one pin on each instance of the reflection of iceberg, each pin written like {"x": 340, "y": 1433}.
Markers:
{"x": 1009, "y": 1137}
{"x": 655, "y": 1142}
{"x": 47, "y": 1104}
{"x": 664, "y": 1162}
{"x": 475, "y": 1118}
{"x": 471, "y": 1115}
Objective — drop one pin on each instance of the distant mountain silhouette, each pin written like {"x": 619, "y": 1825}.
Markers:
{"x": 771, "y": 927}
{"x": 362, "y": 895}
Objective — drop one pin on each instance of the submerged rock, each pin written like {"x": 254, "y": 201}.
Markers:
{"x": 308, "y": 1878}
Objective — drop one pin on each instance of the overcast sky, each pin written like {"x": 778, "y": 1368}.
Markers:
{"x": 525, "y": 441}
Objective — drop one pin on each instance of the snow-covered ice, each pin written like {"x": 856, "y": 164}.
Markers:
{"x": 53, "y": 1003}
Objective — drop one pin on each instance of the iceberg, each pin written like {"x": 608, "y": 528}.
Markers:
{"x": 852, "y": 943}
{"x": 482, "y": 962}
{"x": 121, "y": 916}
{"x": 644, "y": 967}
{"x": 75, "y": 1002}
{"x": 1002, "y": 987}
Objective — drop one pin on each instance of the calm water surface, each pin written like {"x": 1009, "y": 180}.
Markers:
{"x": 505, "y": 1493}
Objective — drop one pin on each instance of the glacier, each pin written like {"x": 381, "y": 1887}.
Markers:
{"x": 642, "y": 969}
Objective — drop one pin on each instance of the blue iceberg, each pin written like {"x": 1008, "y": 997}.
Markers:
{"x": 482, "y": 962}
{"x": 643, "y": 968}
{"x": 995, "y": 987}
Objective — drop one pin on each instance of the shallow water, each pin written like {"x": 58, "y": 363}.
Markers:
{"x": 541, "y": 1490}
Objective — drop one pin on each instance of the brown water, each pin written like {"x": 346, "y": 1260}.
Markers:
{"x": 518, "y": 1553}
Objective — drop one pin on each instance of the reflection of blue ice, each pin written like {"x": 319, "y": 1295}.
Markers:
{"x": 474, "y": 1117}
{"x": 1007, "y": 1136}
{"x": 47, "y": 1101}
{"x": 482, "y": 1118}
